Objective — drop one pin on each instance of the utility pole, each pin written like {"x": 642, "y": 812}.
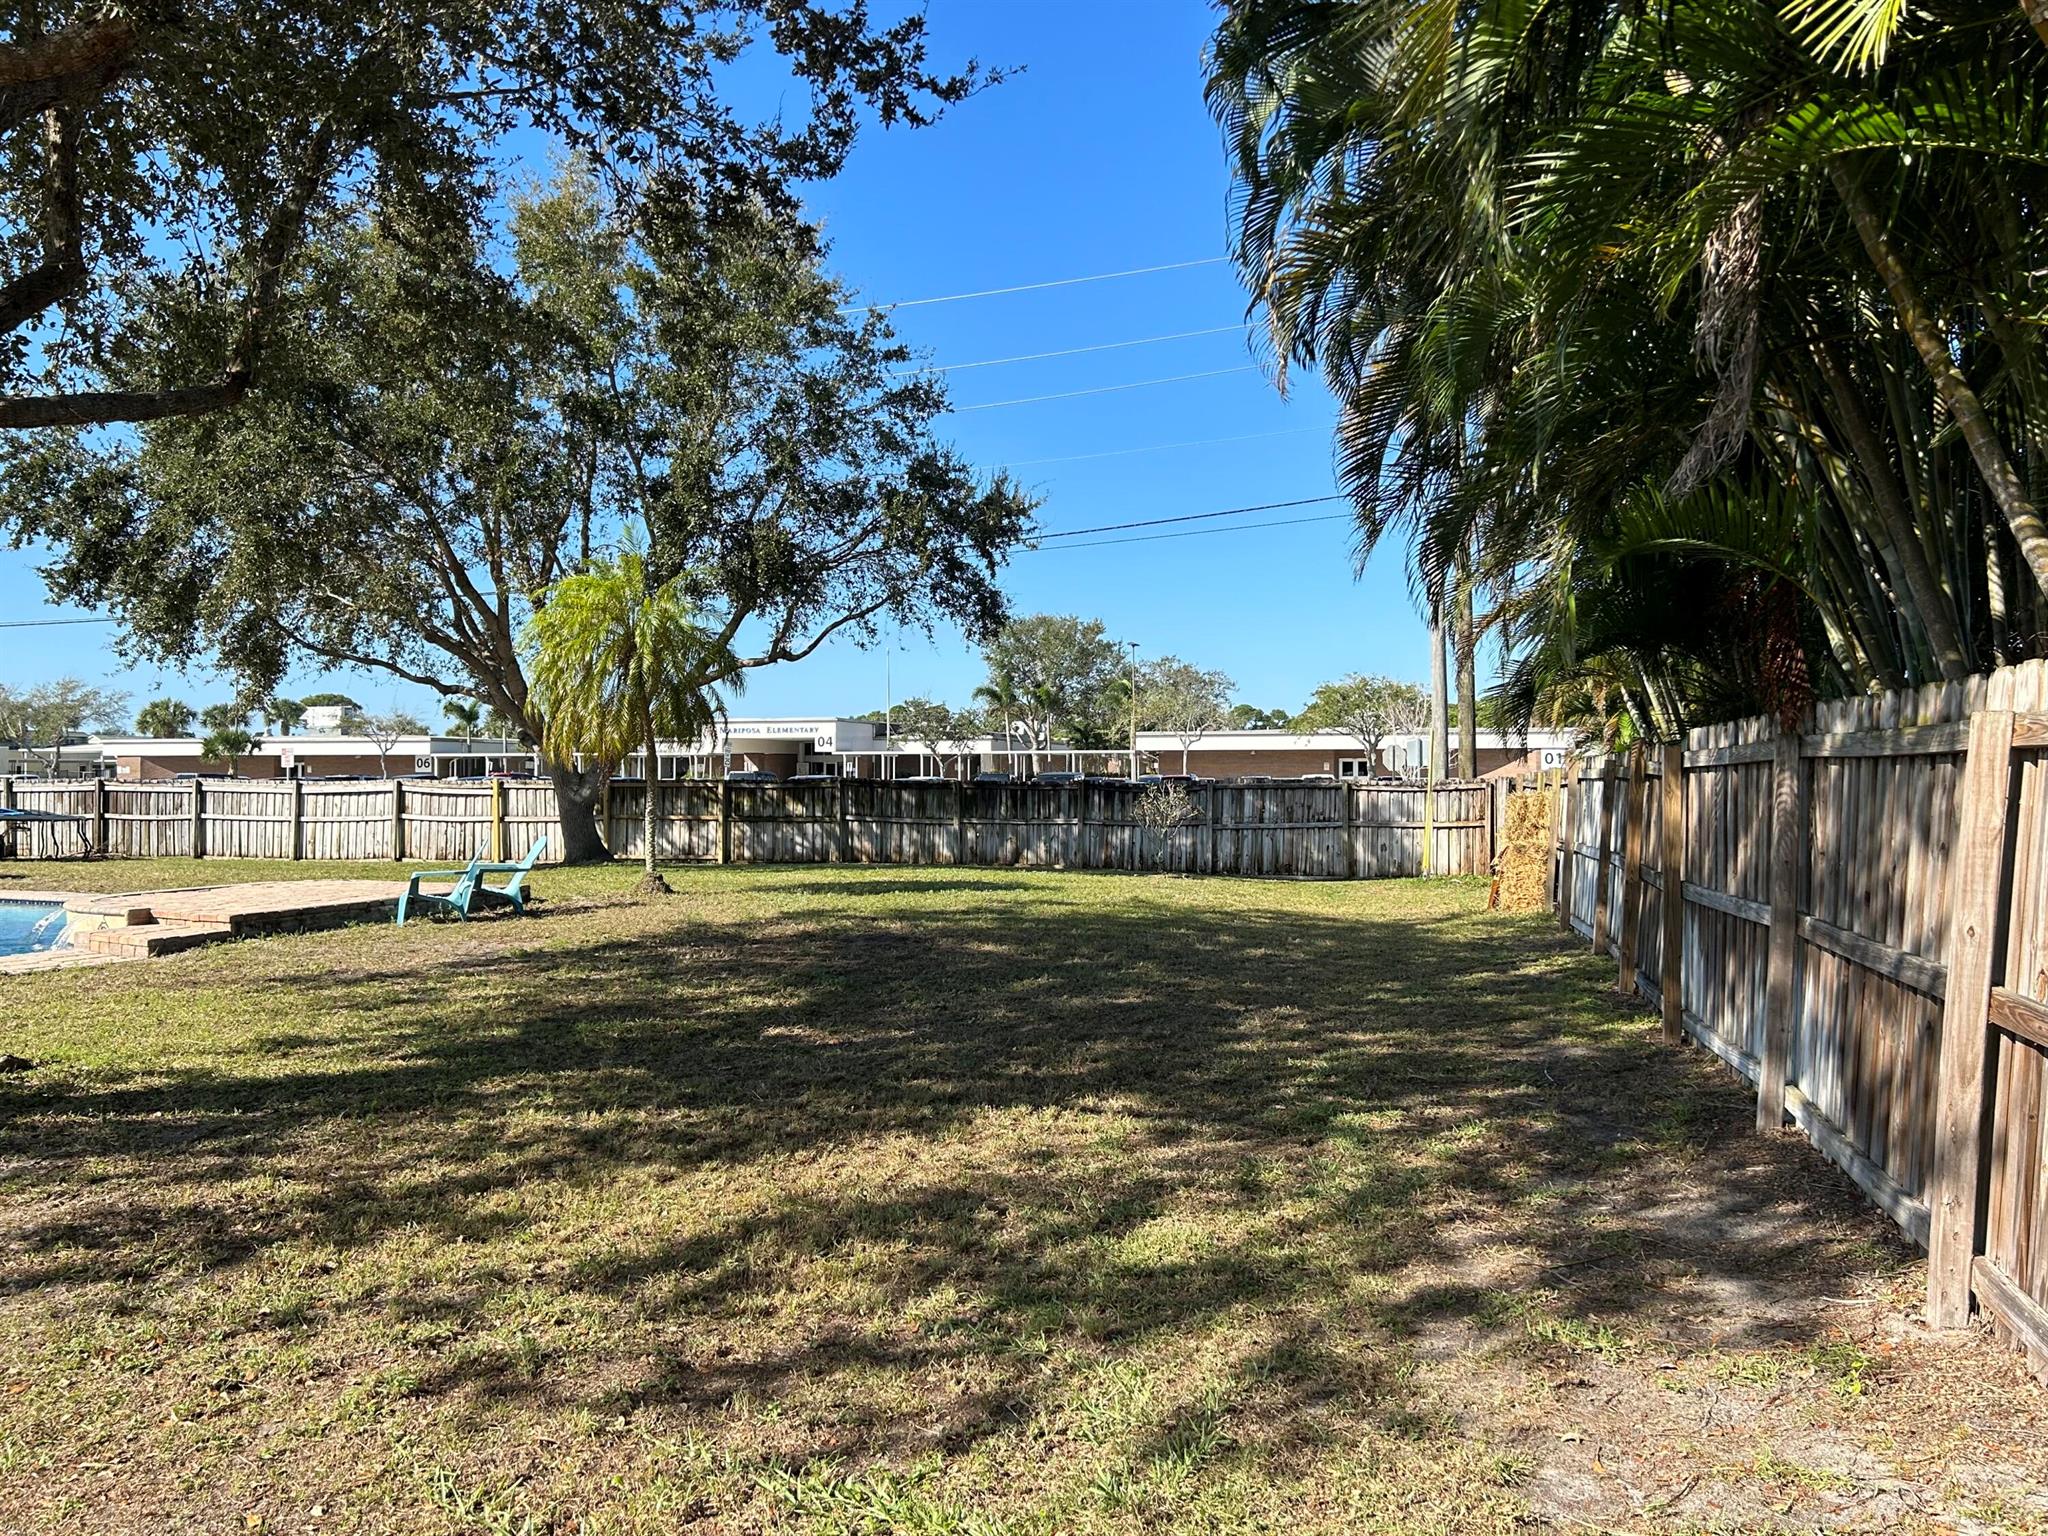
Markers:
{"x": 1131, "y": 664}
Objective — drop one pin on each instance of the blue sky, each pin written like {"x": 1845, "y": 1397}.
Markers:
{"x": 1099, "y": 157}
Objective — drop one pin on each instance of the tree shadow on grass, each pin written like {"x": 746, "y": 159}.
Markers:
{"x": 1117, "y": 1128}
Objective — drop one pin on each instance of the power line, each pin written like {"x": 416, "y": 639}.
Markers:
{"x": 1058, "y": 282}
{"x": 1105, "y": 346}
{"x": 1196, "y": 533}
{"x": 1039, "y": 541}
{"x": 1198, "y": 442}
{"x": 1105, "y": 389}
{"x": 1194, "y": 517}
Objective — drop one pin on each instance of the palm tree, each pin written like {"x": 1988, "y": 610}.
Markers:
{"x": 1000, "y": 703}
{"x": 466, "y": 715}
{"x": 228, "y": 744}
{"x": 281, "y": 714}
{"x": 618, "y": 666}
{"x": 1568, "y": 267}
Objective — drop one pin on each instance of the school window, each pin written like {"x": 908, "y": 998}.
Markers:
{"x": 1355, "y": 768}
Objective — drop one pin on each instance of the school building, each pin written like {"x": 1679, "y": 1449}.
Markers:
{"x": 830, "y": 746}
{"x": 1339, "y": 754}
{"x": 827, "y": 745}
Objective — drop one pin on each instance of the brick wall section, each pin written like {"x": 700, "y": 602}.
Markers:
{"x": 1228, "y": 765}
{"x": 134, "y": 769}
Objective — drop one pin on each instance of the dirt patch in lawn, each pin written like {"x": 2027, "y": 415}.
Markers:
{"x": 946, "y": 1201}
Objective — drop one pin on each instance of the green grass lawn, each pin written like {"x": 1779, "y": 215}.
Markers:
{"x": 925, "y": 1201}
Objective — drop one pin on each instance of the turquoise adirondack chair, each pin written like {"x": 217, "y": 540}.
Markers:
{"x": 470, "y": 891}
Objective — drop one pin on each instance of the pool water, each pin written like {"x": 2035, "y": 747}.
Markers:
{"x": 28, "y": 926}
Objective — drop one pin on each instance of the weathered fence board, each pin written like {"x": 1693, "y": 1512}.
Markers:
{"x": 1829, "y": 883}
{"x": 1292, "y": 830}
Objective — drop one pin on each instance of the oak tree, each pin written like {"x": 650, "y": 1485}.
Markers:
{"x": 165, "y": 160}
{"x": 461, "y": 439}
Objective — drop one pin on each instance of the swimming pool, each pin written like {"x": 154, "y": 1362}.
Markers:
{"x": 27, "y": 926}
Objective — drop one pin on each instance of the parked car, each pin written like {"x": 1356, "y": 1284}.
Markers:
{"x": 994, "y": 778}
{"x": 809, "y": 778}
{"x": 1189, "y": 779}
{"x": 754, "y": 776}
{"x": 1060, "y": 778}
{"x": 923, "y": 778}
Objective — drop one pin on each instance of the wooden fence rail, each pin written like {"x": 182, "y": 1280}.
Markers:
{"x": 1324, "y": 831}
{"x": 1854, "y": 916}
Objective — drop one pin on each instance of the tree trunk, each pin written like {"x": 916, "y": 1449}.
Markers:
{"x": 651, "y": 883}
{"x": 1992, "y": 461}
{"x": 1439, "y": 686}
{"x": 576, "y": 808}
{"x": 1937, "y": 612}
{"x": 1468, "y": 687}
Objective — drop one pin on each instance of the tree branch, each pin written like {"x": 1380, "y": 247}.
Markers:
{"x": 70, "y": 52}
{"x": 280, "y": 239}
{"x": 367, "y": 662}
{"x": 62, "y": 269}
{"x": 778, "y": 651}
{"x": 64, "y": 68}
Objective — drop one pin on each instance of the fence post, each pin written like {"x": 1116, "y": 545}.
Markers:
{"x": 1498, "y": 793}
{"x": 298, "y": 819}
{"x": 1603, "y": 888}
{"x": 99, "y": 815}
{"x": 1349, "y": 866}
{"x": 1563, "y": 816}
{"x": 1637, "y": 792}
{"x": 1428, "y": 826}
{"x": 960, "y": 820}
{"x": 8, "y": 846}
{"x": 397, "y": 819}
{"x": 1965, "y": 1026}
{"x": 1671, "y": 865}
{"x": 845, "y": 798}
{"x": 725, "y": 821}
{"x": 199, "y": 818}
{"x": 1781, "y": 1000}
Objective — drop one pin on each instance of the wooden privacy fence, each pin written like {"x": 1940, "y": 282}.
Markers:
{"x": 1330, "y": 831}
{"x": 1855, "y": 917}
